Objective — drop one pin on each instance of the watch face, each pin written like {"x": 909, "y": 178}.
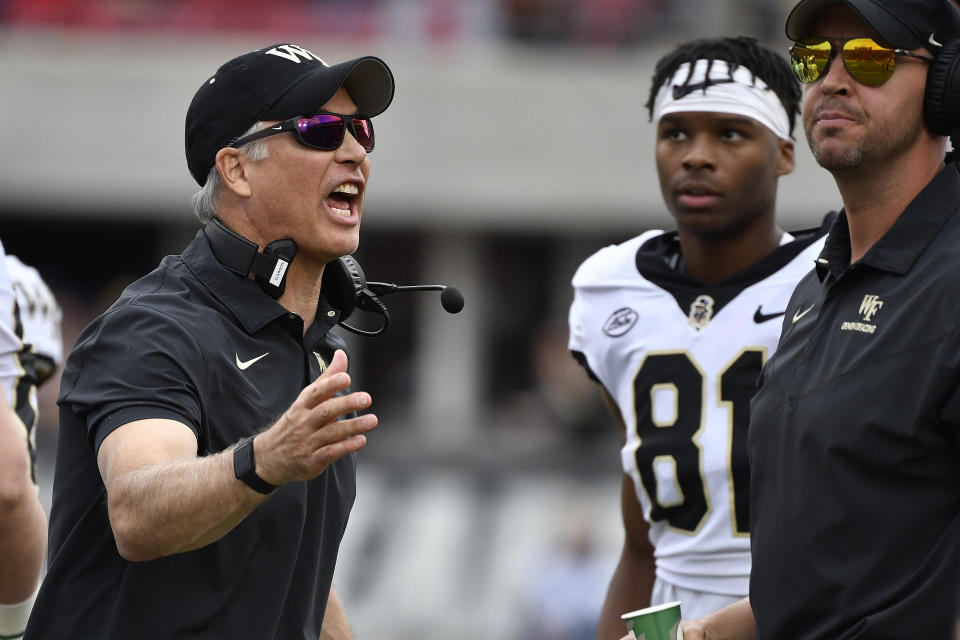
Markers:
{"x": 245, "y": 467}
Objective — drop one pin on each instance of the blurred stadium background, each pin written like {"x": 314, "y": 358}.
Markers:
{"x": 517, "y": 145}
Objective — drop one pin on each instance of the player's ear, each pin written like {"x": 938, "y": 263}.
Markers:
{"x": 786, "y": 162}
{"x": 231, "y": 164}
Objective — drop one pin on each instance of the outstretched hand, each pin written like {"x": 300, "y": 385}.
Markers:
{"x": 310, "y": 435}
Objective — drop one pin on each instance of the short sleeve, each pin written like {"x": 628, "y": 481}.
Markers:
{"x": 577, "y": 342}
{"x": 133, "y": 363}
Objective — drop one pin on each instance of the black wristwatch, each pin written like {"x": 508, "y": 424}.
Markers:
{"x": 245, "y": 468}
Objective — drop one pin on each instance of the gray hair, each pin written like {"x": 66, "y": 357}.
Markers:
{"x": 205, "y": 200}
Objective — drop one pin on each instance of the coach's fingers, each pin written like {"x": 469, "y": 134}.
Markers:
{"x": 337, "y": 364}
{"x": 333, "y": 452}
{"x": 332, "y": 381}
{"x": 354, "y": 440}
{"x": 340, "y": 430}
{"x": 289, "y": 458}
{"x": 334, "y": 408}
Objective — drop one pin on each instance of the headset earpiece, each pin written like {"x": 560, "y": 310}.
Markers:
{"x": 240, "y": 256}
{"x": 280, "y": 254}
{"x": 941, "y": 102}
{"x": 342, "y": 283}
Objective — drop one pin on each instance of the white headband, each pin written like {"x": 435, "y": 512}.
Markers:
{"x": 743, "y": 95}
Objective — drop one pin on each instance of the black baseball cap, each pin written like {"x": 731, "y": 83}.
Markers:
{"x": 275, "y": 83}
{"x": 901, "y": 23}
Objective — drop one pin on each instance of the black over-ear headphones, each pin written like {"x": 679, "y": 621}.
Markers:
{"x": 941, "y": 101}
{"x": 240, "y": 255}
{"x": 345, "y": 288}
{"x": 343, "y": 285}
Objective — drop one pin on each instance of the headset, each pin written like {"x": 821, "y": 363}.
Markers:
{"x": 343, "y": 285}
{"x": 241, "y": 256}
{"x": 345, "y": 288}
{"x": 941, "y": 101}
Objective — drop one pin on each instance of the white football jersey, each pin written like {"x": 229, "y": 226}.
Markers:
{"x": 40, "y": 315}
{"x": 11, "y": 344}
{"x": 681, "y": 360}
{"x": 30, "y": 343}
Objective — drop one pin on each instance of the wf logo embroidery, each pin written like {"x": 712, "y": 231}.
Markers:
{"x": 293, "y": 53}
{"x": 870, "y": 306}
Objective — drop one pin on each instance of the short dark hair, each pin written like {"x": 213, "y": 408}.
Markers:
{"x": 740, "y": 51}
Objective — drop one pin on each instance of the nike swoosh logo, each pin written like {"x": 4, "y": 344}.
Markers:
{"x": 934, "y": 42}
{"x": 680, "y": 91}
{"x": 760, "y": 316}
{"x": 242, "y": 365}
{"x": 277, "y": 128}
{"x": 800, "y": 314}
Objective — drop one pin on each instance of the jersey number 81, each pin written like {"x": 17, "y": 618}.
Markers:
{"x": 676, "y": 439}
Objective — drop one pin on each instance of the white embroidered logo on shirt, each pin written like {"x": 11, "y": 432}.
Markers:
{"x": 244, "y": 364}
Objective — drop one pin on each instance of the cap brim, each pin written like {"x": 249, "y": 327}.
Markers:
{"x": 368, "y": 80}
{"x": 889, "y": 27}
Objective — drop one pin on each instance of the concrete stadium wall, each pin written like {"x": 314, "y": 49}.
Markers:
{"x": 480, "y": 137}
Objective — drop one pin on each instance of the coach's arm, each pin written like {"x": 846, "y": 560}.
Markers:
{"x": 162, "y": 499}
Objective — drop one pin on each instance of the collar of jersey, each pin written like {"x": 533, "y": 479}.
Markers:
{"x": 653, "y": 256}
{"x": 905, "y": 241}
{"x": 244, "y": 298}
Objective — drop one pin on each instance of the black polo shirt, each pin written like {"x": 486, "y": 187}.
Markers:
{"x": 194, "y": 343}
{"x": 854, "y": 438}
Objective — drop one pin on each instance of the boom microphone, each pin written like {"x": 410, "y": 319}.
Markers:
{"x": 346, "y": 288}
{"x": 450, "y": 297}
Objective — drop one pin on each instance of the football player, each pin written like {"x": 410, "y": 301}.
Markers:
{"x": 675, "y": 326}
{"x": 30, "y": 351}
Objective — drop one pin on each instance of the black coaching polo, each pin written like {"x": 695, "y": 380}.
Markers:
{"x": 194, "y": 343}
{"x": 854, "y": 438}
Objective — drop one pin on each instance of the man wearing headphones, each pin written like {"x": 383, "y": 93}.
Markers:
{"x": 206, "y": 464}
{"x": 855, "y": 431}
{"x": 676, "y": 326}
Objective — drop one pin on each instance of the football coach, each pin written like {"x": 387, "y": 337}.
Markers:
{"x": 206, "y": 462}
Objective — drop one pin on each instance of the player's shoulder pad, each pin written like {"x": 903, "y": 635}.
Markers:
{"x": 40, "y": 313}
{"x": 608, "y": 258}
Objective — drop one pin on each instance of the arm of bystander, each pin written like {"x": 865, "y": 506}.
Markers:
{"x": 23, "y": 524}
{"x": 733, "y": 622}
{"x": 632, "y": 582}
{"x": 335, "y": 624}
